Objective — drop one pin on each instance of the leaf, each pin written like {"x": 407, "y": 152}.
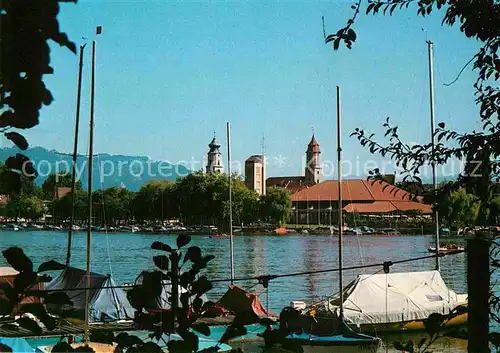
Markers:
{"x": 158, "y": 245}
{"x": 351, "y": 35}
{"x": 18, "y": 140}
{"x": 182, "y": 240}
{"x": 441, "y": 125}
{"x": 17, "y": 259}
{"x": 433, "y": 323}
{"x": 201, "y": 285}
{"x": 30, "y": 325}
{"x": 24, "y": 280}
{"x": 51, "y": 266}
{"x": 161, "y": 261}
{"x": 22, "y": 163}
{"x": 232, "y": 332}
{"x": 62, "y": 347}
{"x": 202, "y": 328}
{"x": 193, "y": 253}
{"x": 336, "y": 44}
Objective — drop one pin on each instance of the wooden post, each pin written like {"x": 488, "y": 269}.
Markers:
{"x": 478, "y": 288}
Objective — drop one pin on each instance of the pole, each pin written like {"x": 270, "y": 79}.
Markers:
{"x": 339, "y": 158}
{"x": 75, "y": 150}
{"x": 231, "y": 240}
{"x": 478, "y": 287}
{"x": 431, "y": 102}
{"x": 89, "y": 227}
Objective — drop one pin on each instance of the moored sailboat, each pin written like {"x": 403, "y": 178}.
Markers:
{"x": 335, "y": 332}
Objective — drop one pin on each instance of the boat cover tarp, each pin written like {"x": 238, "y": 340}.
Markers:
{"x": 106, "y": 302}
{"x": 16, "y": 344}
{"x": 238, "y": 301}
{"x": 395, "y": 297}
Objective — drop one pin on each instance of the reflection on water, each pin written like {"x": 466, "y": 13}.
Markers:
{"x": 125, "y": 255}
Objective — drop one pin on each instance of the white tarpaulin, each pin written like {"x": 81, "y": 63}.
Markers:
{"x": 397, "y": 297}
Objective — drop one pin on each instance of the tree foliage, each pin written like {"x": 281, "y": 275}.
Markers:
{"x": 54, "y": 181}
{"x": 276, "y": 205}
{"x": 458, "y": 209}
{"x": 25, "y": 206}
{"x": 480, "y": 149}
{"x": 25, "y": 28}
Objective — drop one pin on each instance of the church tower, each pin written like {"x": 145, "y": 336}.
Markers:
{"x": 214, "y": 157}
{"x": 313, "y": 166}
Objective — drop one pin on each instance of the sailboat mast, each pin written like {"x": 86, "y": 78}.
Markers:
{"x": 89, "y": 186}
{"x": 231, "y": 241}
{"x": 431, "y": 102}
{"x": 75, "y": 149}
{"x": 339, "y": 169}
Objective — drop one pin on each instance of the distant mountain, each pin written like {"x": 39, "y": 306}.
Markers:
{"x": 108, "y": 170}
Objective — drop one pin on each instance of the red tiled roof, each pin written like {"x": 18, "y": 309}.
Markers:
{"x": 62, "y": 191}
{"x": 412, "y": 205}
{"x": 313, "y": 145}
{"x": 388, "y": 206}
{"x": 374, "y": 207}
{"x": 353, "y": 190}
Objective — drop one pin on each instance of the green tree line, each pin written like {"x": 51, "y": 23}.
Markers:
{"x": 197, "y": 199}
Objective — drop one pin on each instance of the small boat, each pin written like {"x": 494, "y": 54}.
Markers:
{"x": 348, "y": 340}
{"x": 447, "y": 249}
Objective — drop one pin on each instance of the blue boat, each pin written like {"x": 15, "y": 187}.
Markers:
{"x": 349, "y": 340}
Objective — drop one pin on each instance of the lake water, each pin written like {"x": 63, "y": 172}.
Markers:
{"x": 125, "y": 255}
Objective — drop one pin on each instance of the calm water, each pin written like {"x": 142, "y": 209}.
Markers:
{"x": 125, "y": 255}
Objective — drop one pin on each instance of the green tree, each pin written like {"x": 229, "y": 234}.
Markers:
{"x": 458, "y": 209}
{"x": 58, "y": 180}
{"x": 276, "y": 205}
{"x": 112, "y": 205}
{"x": 25, "y": 206}
{"x": 61, "y": 208}
{"x": 156, "y": 200}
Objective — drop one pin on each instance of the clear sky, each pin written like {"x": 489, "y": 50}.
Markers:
{"x": 170, "y": 73}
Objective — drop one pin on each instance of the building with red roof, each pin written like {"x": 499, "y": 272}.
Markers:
{"x": 319, "y": 203}
{"x": 312, "y": 171}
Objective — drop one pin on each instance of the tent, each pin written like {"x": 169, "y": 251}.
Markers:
{"x": 16, "y": 344}
{"x": 395, "y": 297}
{"x": 106, "y": 302}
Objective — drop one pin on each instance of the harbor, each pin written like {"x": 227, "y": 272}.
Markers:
{"x": 125, "y": 255}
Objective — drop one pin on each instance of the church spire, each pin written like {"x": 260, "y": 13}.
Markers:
{"x": 313, "y": 169}
{"x": 214, "y": 157}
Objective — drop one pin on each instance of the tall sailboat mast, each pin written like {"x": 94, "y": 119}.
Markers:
{"x": 231, "y": 240}
{"x": 339, "y": 170}
{"x": 89, "y": 186}
{"x": 75, "y": 149}
{"x": 431, "y": 102}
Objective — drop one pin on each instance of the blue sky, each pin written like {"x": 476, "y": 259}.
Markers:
{"x": 170, "y": 73}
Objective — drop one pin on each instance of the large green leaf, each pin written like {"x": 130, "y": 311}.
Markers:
{"x": 17, "y": 259}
